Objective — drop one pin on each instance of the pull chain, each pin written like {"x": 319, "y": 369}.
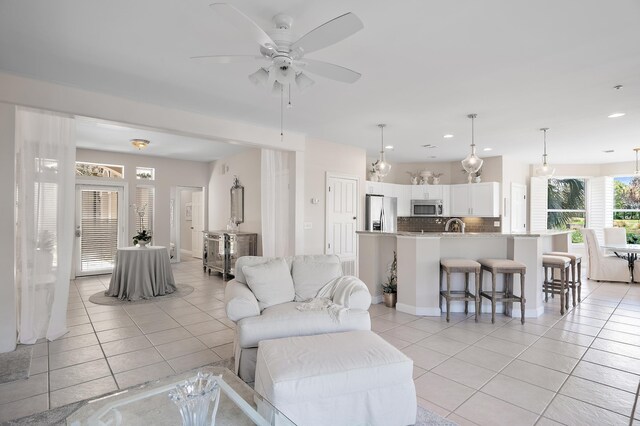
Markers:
{"x": 281, "y": 113}
{"x": 289, "y": 106}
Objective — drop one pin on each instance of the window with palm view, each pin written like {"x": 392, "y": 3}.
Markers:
{"x": 626, "y": 206}
{"x": 566, "y": 206}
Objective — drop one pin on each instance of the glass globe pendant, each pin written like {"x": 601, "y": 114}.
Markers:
{"x": 382, "y": 167}
{"x": 545, "y": 170}
{"x": 472, "y": 163}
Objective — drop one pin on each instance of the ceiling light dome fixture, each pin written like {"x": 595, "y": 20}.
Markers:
{"x": 472, "y": 163}
{"x": 381, "y": 167}
{"x": 140, "y": 143}
{"x": 545, "y": 170}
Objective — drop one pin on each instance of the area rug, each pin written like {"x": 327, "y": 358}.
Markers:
{"x": 100, "y": 299}
{"x": 58, "y": 416}
{"x": 15, "y": 365}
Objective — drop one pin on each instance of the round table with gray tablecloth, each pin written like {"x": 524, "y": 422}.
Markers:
{"x": 141, "y": 273}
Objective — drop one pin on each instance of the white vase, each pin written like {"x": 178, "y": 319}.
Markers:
{"x": 436, "y": 180}
{"x": 374, "y": 177}
{"x": 476, "y": 179}
{"x": 143, "y": 244}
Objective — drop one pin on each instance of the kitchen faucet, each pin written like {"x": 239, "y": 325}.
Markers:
{"x": 457, "y": 220}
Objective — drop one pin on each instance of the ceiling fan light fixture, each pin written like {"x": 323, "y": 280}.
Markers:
{"x": 545, "y": 170}
{"x": 260, "y": 77}
{"x": 303, "y": 82}
{"x": 140, "y": 143}
{"x": 382, "y": 167}
{"x": 472, "y": 163}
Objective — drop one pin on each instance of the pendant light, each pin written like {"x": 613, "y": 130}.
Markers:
{"x": 637, "y": 172}
{"x": 381, "y": 167}
{"x": 545, "y": 170}
{"x": 472, "y": 163}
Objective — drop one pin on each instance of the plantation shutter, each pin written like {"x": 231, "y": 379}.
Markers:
{"x": 538, "y": 204}
{"x": 145, "y": 196}
{"x": 600, "y": 205}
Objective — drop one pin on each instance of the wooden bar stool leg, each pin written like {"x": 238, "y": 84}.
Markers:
{"x": 466, "y": 293}
{"x": 480, "y": 291}
{"x": 440, "y": 284}
{"x": 522, "y": 299}
{"x": 478, "y": 299}
{"x": 566, "y": 298}
{"x": 493, "y": 297}
{"x": 579, "y": 281}
{"x": 574, "y": 284}
{"x": 562, "y": 291}
{"x": 448, "y": 294}
{"x": 546, "y": 283}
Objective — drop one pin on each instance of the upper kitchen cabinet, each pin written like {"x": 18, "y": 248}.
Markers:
{"x": 477, "y": 199}
{"x": 429, "y": 192}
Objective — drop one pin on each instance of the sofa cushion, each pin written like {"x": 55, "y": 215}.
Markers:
{"x": 311, "y": 273}
{"x": 285, "y": 320}
{"x": 270, "y": 282}
{"x": 252, "y": 261}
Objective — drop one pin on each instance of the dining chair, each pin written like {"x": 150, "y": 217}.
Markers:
{"x": 601, "y": 267}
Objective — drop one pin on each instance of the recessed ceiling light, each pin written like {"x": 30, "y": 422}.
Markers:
{"x": 488, "y": 149}
{"x": 448, "y": 136}
{"x": 388, "y": 147}
{"x": 608, "y": 151}
{"x": 616, "y": 115}
{"x": 429, "y": 145}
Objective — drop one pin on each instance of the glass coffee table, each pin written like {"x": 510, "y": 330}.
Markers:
{"x": 149, "y": 404}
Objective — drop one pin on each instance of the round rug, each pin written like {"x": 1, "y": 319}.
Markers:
{"x": 101, "y": 299}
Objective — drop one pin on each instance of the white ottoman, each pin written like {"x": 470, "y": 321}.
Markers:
{"x": 352, "y": 378}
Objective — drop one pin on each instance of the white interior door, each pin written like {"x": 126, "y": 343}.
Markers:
{"x": 197, "y": 224}
{"x": 100, "y": 218}
{"x": 518, "y": 207}
{"x": 341, "y": 221}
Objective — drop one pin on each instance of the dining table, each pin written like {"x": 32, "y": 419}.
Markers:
{"x": 141, "y": 273}
{"x": 625, "y": 251}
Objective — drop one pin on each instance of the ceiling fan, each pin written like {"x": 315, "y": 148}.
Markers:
{"x": 285, "y": 62}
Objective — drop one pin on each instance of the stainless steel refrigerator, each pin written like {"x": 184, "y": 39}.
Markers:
{"x": 381, "y": 213}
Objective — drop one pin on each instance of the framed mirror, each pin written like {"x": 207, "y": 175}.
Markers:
{"x": 237, "y": 201}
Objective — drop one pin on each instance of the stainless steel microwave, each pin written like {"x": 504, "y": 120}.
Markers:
{"x": 426, "y": 208}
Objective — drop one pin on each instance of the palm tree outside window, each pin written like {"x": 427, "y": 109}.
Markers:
{"x": 566, "y": 206}
{"x": 626, "y": 206}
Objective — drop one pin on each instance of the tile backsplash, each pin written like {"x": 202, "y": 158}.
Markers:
{"x": 436, "y": 224}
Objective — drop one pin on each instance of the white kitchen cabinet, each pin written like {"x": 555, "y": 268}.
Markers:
{"x": 375, "y": 187}
{"x": 418, "y": 192}
{"x": 403, "y": 193}
{"x": 477, "y": 199}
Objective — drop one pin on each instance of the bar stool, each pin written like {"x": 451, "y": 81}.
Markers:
{"x": 466, "y": 266}
{"x": 555, "y": 286}
{"x": 576, "y": 277}
{"x": 509, "y": 268}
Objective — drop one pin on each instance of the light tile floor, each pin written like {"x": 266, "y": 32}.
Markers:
{"x": 583, "y": 368}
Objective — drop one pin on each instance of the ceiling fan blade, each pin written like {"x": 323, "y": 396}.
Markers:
{"x": 325, "y": 69}
{"x": 228, "y": 59}
{"x": 243, "y": 23}
{"x": 329, "y": 33}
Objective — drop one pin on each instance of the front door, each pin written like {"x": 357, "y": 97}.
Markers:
{"x": 100, "y": 218}
{"x": 341, "y": 221}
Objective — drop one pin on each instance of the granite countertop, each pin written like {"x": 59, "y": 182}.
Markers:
{"x": 465, "y": 235}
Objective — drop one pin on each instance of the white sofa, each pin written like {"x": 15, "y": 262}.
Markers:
{"x": 270, "y": 311}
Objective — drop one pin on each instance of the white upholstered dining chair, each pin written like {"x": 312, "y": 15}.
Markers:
{"x": 601, "y": 267}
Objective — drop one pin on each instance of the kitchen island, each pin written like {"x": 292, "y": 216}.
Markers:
{"x": 419, "y": 257}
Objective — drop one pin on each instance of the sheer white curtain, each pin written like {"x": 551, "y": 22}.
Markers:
{"x": 45, "y": 178}
{"x": 276, "y": 203}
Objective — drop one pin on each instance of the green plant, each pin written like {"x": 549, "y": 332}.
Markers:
{"x": 143, "y": 235}
{"x": 391, "y": 286}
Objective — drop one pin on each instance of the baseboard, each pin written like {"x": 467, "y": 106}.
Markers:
{"x": 416, "y": 310}
{"x": 184, "y": 252}
{"x": 376, "y": 299}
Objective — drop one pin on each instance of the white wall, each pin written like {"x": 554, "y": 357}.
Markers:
{"x": 169, "y": 172}
{"x": 321, "y": 157}
{"x": 513, "y": 171}
{"x": 7, "y": 226}
{"x": 245, "y": 165}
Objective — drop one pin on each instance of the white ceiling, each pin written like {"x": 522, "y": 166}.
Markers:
{"x": 106, "y": 136}
{"x": 520, "y": 65}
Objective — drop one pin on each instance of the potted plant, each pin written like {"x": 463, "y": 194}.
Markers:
{"x": 142, "y": 238}
{"x": 390, "y": 287}
{"x": 435, "y": 178}
{"x": 373, "y": 175}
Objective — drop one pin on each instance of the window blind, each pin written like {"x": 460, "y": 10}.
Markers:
{"x": 99, "y": 241}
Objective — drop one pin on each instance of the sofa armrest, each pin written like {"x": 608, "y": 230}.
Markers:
{"x": 352, "y": 293}
{"x": 240, "y": 301}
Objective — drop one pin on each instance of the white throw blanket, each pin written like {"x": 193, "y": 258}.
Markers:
{"x": 333, "y": 297}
